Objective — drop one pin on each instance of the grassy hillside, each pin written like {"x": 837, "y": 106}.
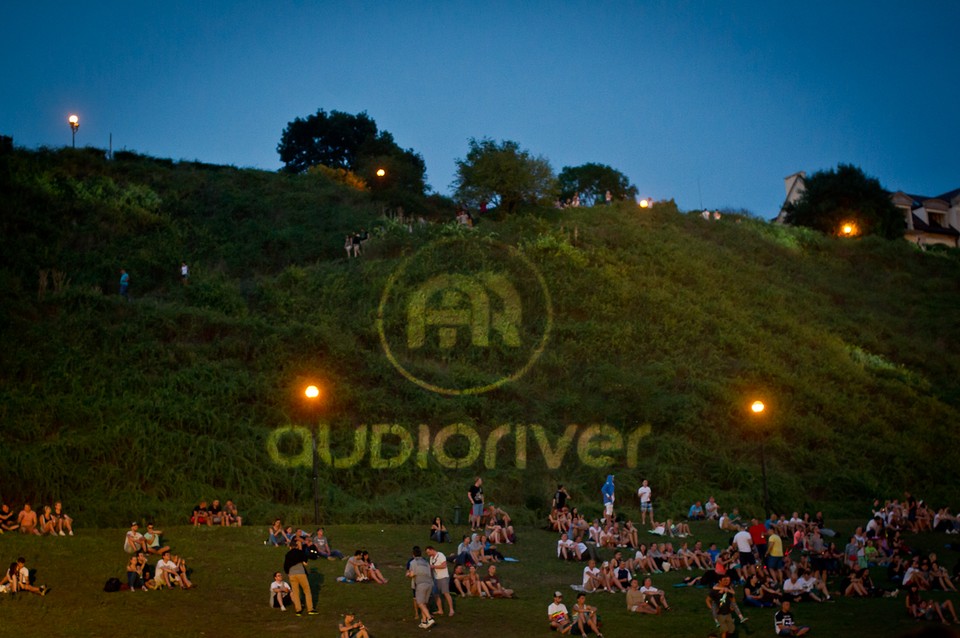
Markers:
{"x": 664, "y": 328}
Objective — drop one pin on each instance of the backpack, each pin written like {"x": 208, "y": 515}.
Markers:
{"x": 112, "y": 585}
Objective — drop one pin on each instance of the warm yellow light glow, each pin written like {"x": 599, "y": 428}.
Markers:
{"x": 644, "y": 203}
{"x": 312, "y": 392}
{"x": 74, "y": 120}
{"x": 849, "y": 229}
{"x": 381, "y": 172}
{"x": 757, "y": 407}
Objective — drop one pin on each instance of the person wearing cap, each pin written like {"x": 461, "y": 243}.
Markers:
{"x": 352, "y": 627}
{"x": 134, "y": 541}
{"x": 558, "y": 615}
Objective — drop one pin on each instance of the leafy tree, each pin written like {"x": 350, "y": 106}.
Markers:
{"x": 504, "y": 175}
{"x": 593, "y": 181}
{"x": 835, "y": 197}
{"x": 351, "y": 142}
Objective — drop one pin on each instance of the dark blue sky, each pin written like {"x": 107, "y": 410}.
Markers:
{"x": 711, "y": 100}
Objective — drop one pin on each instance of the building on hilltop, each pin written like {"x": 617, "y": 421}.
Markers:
{"x": 930, "y": 220}
{"x": 927, "y": 220}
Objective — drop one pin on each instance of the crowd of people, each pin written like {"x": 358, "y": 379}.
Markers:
{"x": 52, "y": 521}
{"x": 774, "y": 563}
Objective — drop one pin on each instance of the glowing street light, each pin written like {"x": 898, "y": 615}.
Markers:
{"x": 312, "y": 393}
{"x": 74, "y": 122}
{"x": 849, "y": 229}
{"x": 644, "y": 203}
{"x": 381, "y": 172}
{"x": 756, "y": 409}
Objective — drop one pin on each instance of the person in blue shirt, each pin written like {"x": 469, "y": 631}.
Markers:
{"x": 696, "y": 512}
{"x": 124, "y": 284}
{"x": 608, "y": 498}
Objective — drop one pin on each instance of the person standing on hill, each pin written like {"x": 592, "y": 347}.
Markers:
{"x": 646, "y": 503}
{"x": 184, "y": 273}
{"x": 295, "y": 565}
{"x": 475, "y": 496}
{"x": 124, "y": 284}
{"x": 608, "y": 498}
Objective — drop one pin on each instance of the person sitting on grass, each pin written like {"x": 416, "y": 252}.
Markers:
{"x": 637, "y": 600}
{"x": 8, "y": 584}
{"x": 27, "y": 520}
{"x": 152, "y": 540}
{"x": 656, "y": 598}
{"x": 355, "y": 568}
{"x": 351, "y": 627}
{"x": 8, "y": 521}
{"x": 231, "y": 514}
{"x": 201, "y": 515}
{"x": 135, "y": 572}
{"x": 695, "y": 513}
{"x": 373, "y": 574}
{"x": 280, "y": 592}
{"x": 322, "y": 544}
{"x": 23, "y": 579}
{"x": 275, "y": 534}
{"x": 585, "y": 617}
{"x": 62, "y": 520}
{"x": 920, "y": 609}
{"x": 494, "y": 585}
{"x": 756, "y": 594}
{"x": 784, "y": 624}
{"x": 47, "y": 524}
{"x": 171, "y": 571}
{"x": 608, "y": 574}
{"x": 592, "y": 579}
{"x": 438, "y": 531}
{"x": 558, "y": 615}
{"x": 133, "y": 541}
{"x": 474, "y": 584}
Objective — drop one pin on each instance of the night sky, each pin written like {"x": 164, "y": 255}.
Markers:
{"x": 705, "y": 102}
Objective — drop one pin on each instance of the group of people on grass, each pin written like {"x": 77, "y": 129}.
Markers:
{"x": 780, "y": 561}
{"x": 170, "y": 570}
{"x": 215, "y": 514}
{"x": 52, "y": 521}
{"x": 18, "y": 578}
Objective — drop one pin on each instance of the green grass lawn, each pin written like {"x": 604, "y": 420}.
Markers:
{"x": 233, "y": 570}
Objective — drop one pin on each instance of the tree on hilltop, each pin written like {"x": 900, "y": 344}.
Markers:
{"x": 846, "y": 195}
{"x": 504, "y": 175}
{"x": 593, "y": 181}
{"x": 351, "y": 142}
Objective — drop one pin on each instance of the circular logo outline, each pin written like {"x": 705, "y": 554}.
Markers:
{"x": 537, "y": 351}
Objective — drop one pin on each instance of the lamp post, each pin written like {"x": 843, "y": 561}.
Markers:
{"x": 312, "y": 394}
{"x": 644, "y": 203}
{"x": 757, "y": 408}
{"x": 74, "y": 122}
{"x": 381, "y": 172}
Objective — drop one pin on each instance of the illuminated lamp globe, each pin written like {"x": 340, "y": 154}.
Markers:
{"x": 757, "y": 407}
{"x": 312, "y": 392}
{"x": 644, "y": 203}
{"x": 381, "y": 172}
{"x": 74, "y": 120}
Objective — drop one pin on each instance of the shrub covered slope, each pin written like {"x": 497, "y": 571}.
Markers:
{"x": 664, "y": 328}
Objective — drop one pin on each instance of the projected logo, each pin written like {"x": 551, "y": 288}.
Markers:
{"x": 465, "y": 316}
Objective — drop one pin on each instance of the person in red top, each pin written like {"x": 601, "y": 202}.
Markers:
{"x": 758, "y": 533}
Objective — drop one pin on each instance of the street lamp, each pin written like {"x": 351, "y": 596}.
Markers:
{"x": 849, "y": 229}
{"x": 74, "y": 122}
{"x": 381, "y": 172}
{"x": 312, "y": 394}
{"x": 757, "y": 408}
{"x": 644, "y": 203}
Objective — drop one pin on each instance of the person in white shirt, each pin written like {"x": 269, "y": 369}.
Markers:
{"x": 653, "y": 596}
{"x": 646, "y": 503}
{"x": 279, "y": 592}
{"x": 591, "y": 577}
{"x": 558, "y": 615}
{"x": 441, "y": 578}
{"x": 134, "y": 541}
